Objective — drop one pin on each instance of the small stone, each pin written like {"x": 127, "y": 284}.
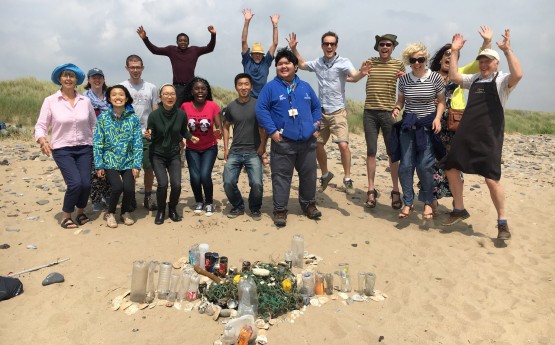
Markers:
{"x": 43, "y": 202}
{"x": 31, "y": 246}
{"x": 12, "y": 229}
{"x": 53, "y": 278}
{"x": 354, "y": 245}
{"x": 33, "y": 218}
{"x": 4, "y": 246}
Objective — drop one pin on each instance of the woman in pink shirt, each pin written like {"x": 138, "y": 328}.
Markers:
{"x": 72, "y": 119}
{"x": 204, "y": 122}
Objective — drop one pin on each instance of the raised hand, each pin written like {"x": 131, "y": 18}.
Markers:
{"x": 212, "y": 30}
{"x": 486, "y": 33}
{"x": 274, "y": 18}
{"x": 141, "y": 31}
{"x": 292, "y": 40}
{"x": 365, "y": 67}
{"x": 457, "y": 42}
{"x": 247, "y": 13}
{"x": 505, "y": 45}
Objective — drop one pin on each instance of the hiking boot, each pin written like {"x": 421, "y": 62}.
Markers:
{"x": 235, "y": 212}
{"x": 199, "y": 207}
{"x": 311, "y": 211}
{"x": 324, "y": 182}
{"x": 456, "y": 216}
{"x": 209, "y": 210}
{"x": 127, "y": 219}
{"x": 349, "y": 189}
{"x": 280, "y": 218}
{"x": 150, "y": 203}
{"x": 111, "y": 220}
{"x": 503, "y": 232}
{"x": 256, "y": 215}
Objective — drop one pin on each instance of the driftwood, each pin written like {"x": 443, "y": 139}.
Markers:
{"x": 37, "y": 268}
{"x": 207, "y": 274}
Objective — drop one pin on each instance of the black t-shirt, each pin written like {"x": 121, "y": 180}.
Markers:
{"x": 242, "y": 117}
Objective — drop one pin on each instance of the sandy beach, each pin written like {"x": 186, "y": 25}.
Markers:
{"x": 445, "y": 285}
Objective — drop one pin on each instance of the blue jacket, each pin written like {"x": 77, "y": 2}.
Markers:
{"x": 273, "y": 105}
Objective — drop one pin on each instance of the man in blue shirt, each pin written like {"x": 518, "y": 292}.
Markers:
{"x": 254, "y": 61}
{"x": 289, "y": 111}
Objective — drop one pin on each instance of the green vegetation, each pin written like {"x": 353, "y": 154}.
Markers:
{"x": 21, "y": 99}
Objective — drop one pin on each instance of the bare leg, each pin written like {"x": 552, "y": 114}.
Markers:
{"x": 497, "y": 194}
{"x": 371, "y": 171}
{"x": 322, "y": 158}
{"x": 456, "y": 186}
{"x": 345, "y": 157}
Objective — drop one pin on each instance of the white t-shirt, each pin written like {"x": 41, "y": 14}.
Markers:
{"x": 502, "y": 83}
{"x": 145, "y": 96}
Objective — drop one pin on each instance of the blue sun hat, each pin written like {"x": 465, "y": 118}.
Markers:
{"x": 67, "y": 67}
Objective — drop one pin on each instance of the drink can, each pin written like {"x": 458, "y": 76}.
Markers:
{"x": 207, "y": 261}
{"x": 213, "y": 259}
{"x": 223, "y": 266}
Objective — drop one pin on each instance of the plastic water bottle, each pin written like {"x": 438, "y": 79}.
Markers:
{"x": 139, "y": 278}
{"x": 192, "y": 293}
{"x": 248, "y": 297}
{"x": 202, "y": 249}
{"x": 297, "y": 247}
{"x": 164, "y": 280}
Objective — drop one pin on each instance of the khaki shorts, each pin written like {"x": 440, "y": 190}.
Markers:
{"x": 334, "y": 124}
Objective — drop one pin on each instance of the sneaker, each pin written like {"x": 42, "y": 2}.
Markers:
{"x": 311, "y": 211}
{"x": 456, "y": 216}
{"x": 111, "y": 220}
{"x": 324, "y": 182}
{"x": 209, "y": 210}
{"x": 349, "y": 189}
{"x": 503, "y": 232}
{"x": 256, "y": 215}
{"x": 199, "y": 208}
{"x": 150, "y": 203}
{"x": 235, "y": 212}
{"x": 127, "y": 219}
{"x": 280, "y": 218}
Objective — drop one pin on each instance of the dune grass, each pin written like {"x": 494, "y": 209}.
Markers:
{"x": 21, "y": 99}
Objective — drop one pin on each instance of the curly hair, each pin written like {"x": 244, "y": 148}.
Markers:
{"x": 435, "y": 61}
{"x": 413, "y": 49}
{"x": 189, "y": 89}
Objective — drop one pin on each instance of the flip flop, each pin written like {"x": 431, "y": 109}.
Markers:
{"x": 67, "y": 223}
{"x": 82, "y": 219}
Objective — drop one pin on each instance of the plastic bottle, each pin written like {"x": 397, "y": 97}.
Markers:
{"x": 164, "y": 280}
{"x": 297, "y": 247}
{"x": 319, "y": 283}
{"x": 308, "y": 283}
{"x": 172, "y": 296}
{"x": 369, "y": 284}
{"x": 192, "y": 292}
{"x": 244, "y": 335}
{"x": 139, "y": 278}
{"x": 184, "y": 284}
{"x": 202, "y": 249}
{"x": 329, "y": 283}
{"x": 229, "y": 336}
{"x": 345, "y": 277}
{"x": 151, "y": 291}
{"x": 248, "y": 297}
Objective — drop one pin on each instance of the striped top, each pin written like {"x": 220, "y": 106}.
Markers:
{"x": 420, "y": 93}
{"x": 381, "y": 82}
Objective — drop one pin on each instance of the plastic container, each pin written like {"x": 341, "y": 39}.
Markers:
{"x": 329, "y": 283}
{"x": 241, "y": 321}
{"x": 308, "y": 283}
{"x": 193, "y": 255}
{"x": 184, "y": 284}
{"x": 297, "y": 248}
{"x": 202, "y": 249}
{"x": 139, "y": 278}
{"x": 172, "y": 296}
{"x": 164, "y": 278}
{"x": 289, "y": 259}
{"x": 369, "y": 284}
{"x": 345, "y": 278}
{"x": 151, "y": 291}
{"x": 248, "y": 297}
{"x": 229, "y": 337}
{"x": 245, "y": 335}
{"x": 319, "y": 283}
{"x": 192, "y": 292}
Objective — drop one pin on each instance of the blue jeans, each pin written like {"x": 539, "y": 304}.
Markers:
{"x": 235, "y": 162}
{"x": 200, "y": 165}
{"x": 162, "y": 167}
{"x": 423, "y": 162}
{"x": 74, "y": 163}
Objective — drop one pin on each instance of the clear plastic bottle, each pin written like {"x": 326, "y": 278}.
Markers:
{"x": 308, "y": 283}
{"x": 329, "y": 283}
{"x": 229, "y": 336}
{"x": 151, "y": 292}
{"x": 172, "y": 296}
{"x": 297, "y": 247}
{"x": 192, "y": 292}
{"x": 164, "y": 278}
{"x": 184, "y": 284}
{"x": 345, "y": 277}
{"x": 139, "y": 278}
{"x": 319, "y": 283}
{"x": 248, "y": 297}
{"x": 202, "y": 249}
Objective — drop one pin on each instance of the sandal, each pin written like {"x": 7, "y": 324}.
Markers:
{"x": 82, "y": 219}
{"x": 67, "y": 223}
{"x": 371, "y": 203}
{"x": 403, "y": 215}
{"x": 396, "y": 204}
{"x": 430, "y": 215}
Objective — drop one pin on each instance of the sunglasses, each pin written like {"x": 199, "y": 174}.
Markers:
{"x": 384, "y": 44}
{"x": 420, "y": 60}
{"x": 331, "y": 44}
{"x": 447, "y": 53}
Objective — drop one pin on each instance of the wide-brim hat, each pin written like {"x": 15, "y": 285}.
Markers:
{"x": 257, "y": 48}
{"x": 57, "y": 72}
{"x": 386, "y": 37}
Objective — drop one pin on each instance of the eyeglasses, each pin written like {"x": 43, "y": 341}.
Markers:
{"x": 69, "y": 75}
{"x": 169, "y": 94}
{"x": 447, "y": 53}
{"x": 386, "y": 44}
{"x": 135, "y": 68}
{"x": 420, "y": 60}
{"x": 331, "y": 44}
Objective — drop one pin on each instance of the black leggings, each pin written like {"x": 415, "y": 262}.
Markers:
{"x": 121, "y": 181}
{"x": 162, "y": 168}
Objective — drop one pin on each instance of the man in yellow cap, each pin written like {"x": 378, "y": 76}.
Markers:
{"x": 255, "y": 62}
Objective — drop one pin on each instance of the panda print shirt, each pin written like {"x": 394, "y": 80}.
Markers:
{"x": 201, "y": 124}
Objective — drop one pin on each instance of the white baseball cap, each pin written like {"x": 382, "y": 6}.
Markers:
{"x": 489, "y": 53}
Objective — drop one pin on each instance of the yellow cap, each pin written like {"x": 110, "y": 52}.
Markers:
{"x": 257, "y": 48}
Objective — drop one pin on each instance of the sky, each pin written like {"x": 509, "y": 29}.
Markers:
{"x": 39, "y": 35}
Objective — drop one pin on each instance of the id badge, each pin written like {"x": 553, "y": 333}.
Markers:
{"x": 293, "y": 112}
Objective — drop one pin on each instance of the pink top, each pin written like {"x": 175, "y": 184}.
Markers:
{"x": 201, "y": 124}
{"x": 70, "y": 126}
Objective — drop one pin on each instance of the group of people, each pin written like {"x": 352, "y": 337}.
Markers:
{"x": 131, "y": 126}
